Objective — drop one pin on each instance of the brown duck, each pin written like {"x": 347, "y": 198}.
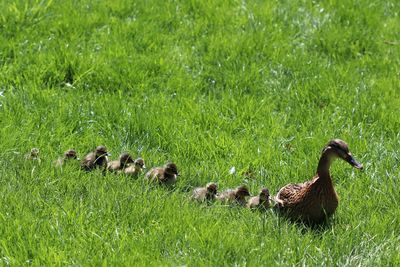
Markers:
{"x": 261, "y": 202}
{"x": 116, "y": 165}
{"x": 315, "y": 200}
{"x": 136, "y": 168}
{"x": 95, "y": 159}
{"x": 70, "y": 154}
{"x": 206, "y": 193}
{"x": 234, "y": 196}
{"x": 163, "y": 175}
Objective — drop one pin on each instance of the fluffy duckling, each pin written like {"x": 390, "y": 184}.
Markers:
{"x": 124, "y": 160}
{"x": 313, "y": 201}
{"x": 33, "y": 154}
{"x": 163, "y": 175}
{"x": 262, "y": 201}
{"x": 234, "y": 196}
{"x": 136, "y": 168}
{"x": 70, "y": 154}
{"x": 206, "y": 193}
{"x": 95, "y": 159}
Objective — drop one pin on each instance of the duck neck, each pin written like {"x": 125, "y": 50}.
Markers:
{"x": 323, "y": 166}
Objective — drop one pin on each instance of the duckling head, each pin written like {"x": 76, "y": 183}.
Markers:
{"x": 139, "y": 162}
{"x": 242, "y": 191}
{"x": 171, "y": 169}
{"x": 101, "y": 151}
{"x": 212, "y": 188}
{"x": 125, "y": 158}
{"x": 71, "y": 154}
{"x": 264, "y": 194}
{"x": 34, "y": 152}
{"x": 340, "y": 149}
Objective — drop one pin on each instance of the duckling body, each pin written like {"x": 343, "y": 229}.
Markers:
{"x": 136, "y": 168}
{"x": 95, "y": 159}
{"x": 70, "y": 154}
{"x": 261, "y": 202}
{"x": 315, "y": 200}
{"x": 234, "y": 196}
{"x": 206, "y": 193}
{"x": 124, "y": 160}
{"x": 163, "y": 175}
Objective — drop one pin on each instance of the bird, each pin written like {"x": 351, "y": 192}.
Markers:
{"x": 206, "y": 193}
{"x": 33, "y": 154}
{"x": 70, "y": 154}
{"x": 314, "y": 201}
{"x": 116, "y": 165}
{"x": 234, "y": 196}
{"x": 163, "y": 175}
{"x": 261, "y": 202}
{"x": 95, "y": 159}
{"x": 136, "y": 168}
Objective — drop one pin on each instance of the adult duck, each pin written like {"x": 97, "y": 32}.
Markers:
{"x": 314, "y": 201}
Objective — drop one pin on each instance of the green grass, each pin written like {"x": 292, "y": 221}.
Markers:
{"x": 259, "y": 85}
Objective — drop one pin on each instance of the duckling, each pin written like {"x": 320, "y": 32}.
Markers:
{"x": 262, "y": 201}
{"x": 135, "y": 169}
{"x": 163, "y": 175}
{"x": 206, "y": 193}
{"x": 313, "y": 201}
{"x": 234, "y": 196}
{"x": 33, "y": 154}
{"x": 70, "y": 154}
{"x": 121, "y": 163}
{"x": 95, "y": 159}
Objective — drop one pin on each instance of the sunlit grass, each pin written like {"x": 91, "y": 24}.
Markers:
{"x": 260, "y": 86}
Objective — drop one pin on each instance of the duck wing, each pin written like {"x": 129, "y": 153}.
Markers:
{"x": 289, "y": 193}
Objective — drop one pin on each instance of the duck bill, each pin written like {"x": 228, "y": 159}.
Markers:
{"x": 353, "y": 162}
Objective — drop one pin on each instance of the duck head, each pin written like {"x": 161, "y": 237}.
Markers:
{"x": 34, "y": 152}
{"x": 242, "y": 192}
{"x": 264, "y": 194}
{"x": 339, "y": 149}
{"x": 171, "y": 169}
{"x": 139, "y": 162}
{"x": 211, "y": 189}
{"x": 71, "y": 154}
{"x": 101, "y": 151}
{"x": 125, "y": 158}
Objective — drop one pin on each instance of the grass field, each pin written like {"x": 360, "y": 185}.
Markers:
{"x": 258, "y": 85}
